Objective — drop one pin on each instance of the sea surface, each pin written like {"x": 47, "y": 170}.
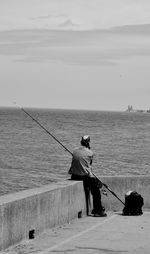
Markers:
{"x": 30, "y": 157}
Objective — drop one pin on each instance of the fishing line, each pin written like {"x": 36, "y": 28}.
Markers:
{"x": 48, "y": 132}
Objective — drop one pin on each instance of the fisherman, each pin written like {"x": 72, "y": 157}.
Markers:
{"x": 81, "y": 169}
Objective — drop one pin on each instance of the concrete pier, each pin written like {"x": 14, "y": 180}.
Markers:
{"x": 36, "y": 210}
{"x": 92, "y": 235}
{"x": 31, "y": 212}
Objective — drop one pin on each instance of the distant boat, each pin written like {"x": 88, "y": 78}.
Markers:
{"x": 130, "y": 109}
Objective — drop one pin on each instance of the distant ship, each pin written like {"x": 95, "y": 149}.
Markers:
{"x": 130, "y": 109}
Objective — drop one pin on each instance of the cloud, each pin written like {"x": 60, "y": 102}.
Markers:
{"x": 141, "y": 29}
{"x": 60, "y": 16}
{"x": 51, "y": 14}
{"x": 68, "y": 24}
{"x": 93, "y": 48}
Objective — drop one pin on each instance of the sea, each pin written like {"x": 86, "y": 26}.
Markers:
{"x": 31, "y": 157}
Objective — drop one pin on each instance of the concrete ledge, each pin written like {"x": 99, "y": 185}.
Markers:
{"x": 39, "y": 209}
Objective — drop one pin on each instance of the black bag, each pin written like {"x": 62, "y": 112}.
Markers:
{"x": 133, "y": 203}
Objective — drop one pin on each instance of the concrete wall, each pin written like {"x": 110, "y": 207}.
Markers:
{"x": 54, "y": 204}
{"x": 39, "y": 209}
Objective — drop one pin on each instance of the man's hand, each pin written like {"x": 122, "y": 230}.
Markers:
{"x": 91, "y": 175}
{"x": 104, "y": 192}
{"x": 99, "y": 183}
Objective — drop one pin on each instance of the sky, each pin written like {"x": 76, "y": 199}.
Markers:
{"x": 83, "y": 54}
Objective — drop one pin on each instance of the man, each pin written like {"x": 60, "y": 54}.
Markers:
{"x": 81, "y": 169}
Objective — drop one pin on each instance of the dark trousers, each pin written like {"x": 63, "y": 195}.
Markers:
{"x": 90, "y": 185}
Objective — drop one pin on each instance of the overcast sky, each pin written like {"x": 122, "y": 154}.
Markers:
{"x": 83, "y": 54}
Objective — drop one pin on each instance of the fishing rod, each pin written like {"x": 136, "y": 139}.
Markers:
{"x": 48, "y": 132}
{"x": 112, "y": 192}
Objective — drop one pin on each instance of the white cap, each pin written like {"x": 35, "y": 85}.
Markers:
{"x": 86, "y": 138}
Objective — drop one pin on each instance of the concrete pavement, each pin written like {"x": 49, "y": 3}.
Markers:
{"x": 112, "y": 234}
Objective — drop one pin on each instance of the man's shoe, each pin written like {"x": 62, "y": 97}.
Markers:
{"x": 102, "y": 214}
{"x": 98, "y": 212}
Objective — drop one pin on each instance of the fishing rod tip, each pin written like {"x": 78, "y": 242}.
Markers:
{"x": 17, "y": 105}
